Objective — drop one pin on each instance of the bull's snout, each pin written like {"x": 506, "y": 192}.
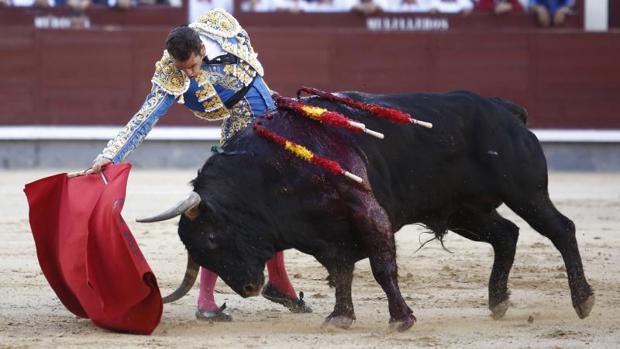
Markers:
{"x": 253, "y": 286}
{"x": 252, "y": 289}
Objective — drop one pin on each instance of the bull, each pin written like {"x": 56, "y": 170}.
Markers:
{"x": 255, "y": 199}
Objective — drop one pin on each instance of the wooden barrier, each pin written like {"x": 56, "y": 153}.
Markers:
{"x": 566, "y": 78}
{"x": 614, "y": 14}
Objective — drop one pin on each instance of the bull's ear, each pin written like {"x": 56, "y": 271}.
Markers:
{"x": 208, "y": 205}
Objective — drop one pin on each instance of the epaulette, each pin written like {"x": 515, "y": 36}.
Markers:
{"x": 218, "y": 22}
{"x": 169, "y": 77}
{"x": 223, "y": 28}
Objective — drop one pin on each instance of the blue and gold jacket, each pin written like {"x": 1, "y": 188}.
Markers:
{"x": 205, "y": 93}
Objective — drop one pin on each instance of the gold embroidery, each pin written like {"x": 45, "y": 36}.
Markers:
{"x": 221, "y": 27}
{"x": 246, "y": 79}
{"x": 217, "y": 114}
{"x": 218, "y": 22}
{"x": 205, "y": 92}
{"x": 228, "y": 81}
{"x": 241, "y": 116}
{"x": 214, "y": 108}
{"x": 229, "y": 68}
{"x": 234, "y": 77}
{"x": 212, "y": 103}
{"x": 168, "y": 77}
{"x": 202, "y": 77}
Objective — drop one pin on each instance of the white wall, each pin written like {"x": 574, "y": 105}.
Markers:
{"x": 596, "y": 17}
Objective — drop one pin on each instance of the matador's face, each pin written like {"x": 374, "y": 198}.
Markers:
{"x": 191, "y": 66}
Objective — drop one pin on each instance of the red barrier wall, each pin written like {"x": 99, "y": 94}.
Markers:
{"x": 566, "y": 78}
{"x": 614, "y": 14}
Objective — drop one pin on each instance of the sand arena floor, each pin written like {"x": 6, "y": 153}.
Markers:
{"x": 447, "y": 292}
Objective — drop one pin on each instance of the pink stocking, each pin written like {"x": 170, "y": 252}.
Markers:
{"x": 206, "y": 298}
{"x": 278, "y": 276}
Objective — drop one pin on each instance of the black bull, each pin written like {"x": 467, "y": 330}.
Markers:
{"x": 257, "y": 198}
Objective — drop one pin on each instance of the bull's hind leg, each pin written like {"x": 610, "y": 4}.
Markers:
{"x": 521, "y": 175}
{"x": 541, "y": 214}
{"x": 502, "y": 234}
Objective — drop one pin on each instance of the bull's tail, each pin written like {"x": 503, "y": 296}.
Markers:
{"x": 512, "y": 107}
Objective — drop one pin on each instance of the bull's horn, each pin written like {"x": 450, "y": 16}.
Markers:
{"x": 191, "y": 273}
{"x": 191, "y": 201}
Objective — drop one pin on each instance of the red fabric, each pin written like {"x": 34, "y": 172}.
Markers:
{"x": 88, "y": 254}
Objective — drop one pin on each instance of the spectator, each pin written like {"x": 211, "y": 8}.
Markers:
{"x": 326, "y": 5}
{"x": 125, "y": 4}
{"x": 551, "y": 12}
{"x": 79, "y": 20}
{"x": 499, "y": 6}
{"x": 294, "y": 6}
{"x": 453, "y": 6}
{"x": 35, "y": 3}
{"x": 410, "y": 6}
{"x": 78, "y": 6}
{"x": 369, "y": 7}
{"x": 257, "y": 5}
{"x": 153, "y": 2}
{"x": 200, "y": 7}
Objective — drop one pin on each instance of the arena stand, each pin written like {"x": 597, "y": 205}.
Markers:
{"x": 86, "y": 83}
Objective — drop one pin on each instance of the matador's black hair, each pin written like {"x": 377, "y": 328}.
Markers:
{"x": 182, "y": 42}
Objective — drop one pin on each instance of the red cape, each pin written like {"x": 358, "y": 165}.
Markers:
{"x": 88, "y": 254}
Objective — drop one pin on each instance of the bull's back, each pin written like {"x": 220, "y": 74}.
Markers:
{"x": 417, "y": 171}
{"x": 414, "y": 172}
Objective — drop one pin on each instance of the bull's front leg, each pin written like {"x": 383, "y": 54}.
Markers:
{"x": 375, "y": 232}
{"x": 341, "y": 277}
{"x": 384, "y": 269}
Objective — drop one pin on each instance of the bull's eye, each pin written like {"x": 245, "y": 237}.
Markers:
{"x": 211, "y": 244}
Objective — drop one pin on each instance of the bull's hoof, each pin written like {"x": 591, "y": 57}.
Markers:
{"x": 402, "y": 325}
{"x": 583, "y": 309}
{"x": 499, "y": 310}
{"x": 342, "y": 322}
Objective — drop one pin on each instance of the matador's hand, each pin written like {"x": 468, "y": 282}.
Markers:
{"x": 98, "y": 164}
